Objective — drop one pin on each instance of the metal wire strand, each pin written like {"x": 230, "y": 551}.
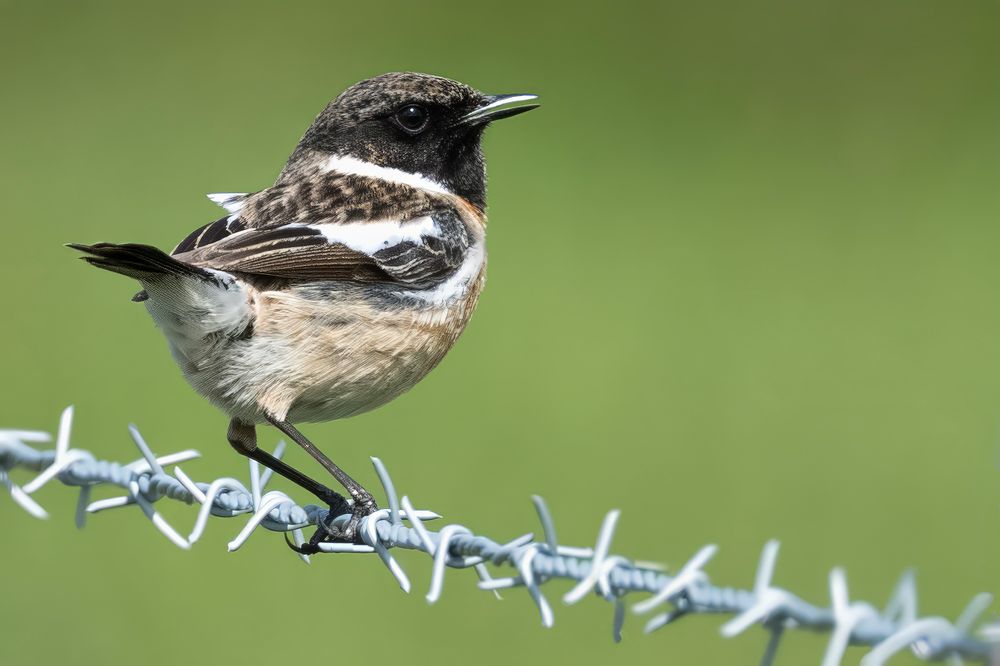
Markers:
{"x": 595, "y": 570}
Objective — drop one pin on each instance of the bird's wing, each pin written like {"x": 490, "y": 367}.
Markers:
{"x": 212, "y": 232}
{"x": 417, "y": 252}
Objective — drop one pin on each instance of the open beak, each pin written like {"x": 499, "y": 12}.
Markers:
{"x": 497, "y": 107}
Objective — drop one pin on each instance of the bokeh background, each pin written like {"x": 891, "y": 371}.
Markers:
{"x": 743, "y": 285}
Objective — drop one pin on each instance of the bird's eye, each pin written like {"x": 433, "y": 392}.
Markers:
{"x": 412, "y": 117}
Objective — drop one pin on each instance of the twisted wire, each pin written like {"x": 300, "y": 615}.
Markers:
{"x": 594, "y": 569}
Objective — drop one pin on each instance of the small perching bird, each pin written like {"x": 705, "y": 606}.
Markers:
{"x": 344, "y": 284}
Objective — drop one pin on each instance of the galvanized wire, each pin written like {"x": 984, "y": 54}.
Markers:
{"x": 595, "y": 569}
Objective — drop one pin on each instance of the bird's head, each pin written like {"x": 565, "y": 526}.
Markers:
{"x": 415, "y": 123}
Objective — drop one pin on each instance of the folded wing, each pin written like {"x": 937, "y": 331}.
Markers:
{"x": 416, "y": 253}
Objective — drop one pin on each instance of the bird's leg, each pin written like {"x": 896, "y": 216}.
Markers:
{"x": 243, "y": 438}
{"x": 363, "y": 502}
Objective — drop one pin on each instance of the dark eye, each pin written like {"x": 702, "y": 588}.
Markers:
{"x": 412, "y": 118}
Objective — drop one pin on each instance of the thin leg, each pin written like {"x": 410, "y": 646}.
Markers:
{"x": 243, "y": 438}
{"x": 364, "y": 503}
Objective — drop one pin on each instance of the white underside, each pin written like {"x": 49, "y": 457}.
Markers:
{"x": 190, "y": 310}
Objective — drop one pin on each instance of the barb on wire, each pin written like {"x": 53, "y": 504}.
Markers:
{"x": 595, "y": 570}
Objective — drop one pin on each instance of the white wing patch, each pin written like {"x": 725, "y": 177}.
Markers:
{"x": 370, "y": 237}
{"x": 231, "y": 201}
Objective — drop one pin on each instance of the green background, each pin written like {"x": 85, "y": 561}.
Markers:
{"x": 743, "y": 279}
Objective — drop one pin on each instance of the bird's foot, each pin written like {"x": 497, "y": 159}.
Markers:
{"x": 328, "y": 531}
{"x": 308, "y": 548}
{"x": 362, "y": 505}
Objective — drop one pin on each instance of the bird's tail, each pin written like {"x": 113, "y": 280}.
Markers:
{"x": 141, "y": 262}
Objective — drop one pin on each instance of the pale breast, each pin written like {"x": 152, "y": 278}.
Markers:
{"x": 323, "y": 352}
{"x": 318, "y": 351}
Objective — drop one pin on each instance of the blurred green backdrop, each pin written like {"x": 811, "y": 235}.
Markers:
{"x": 743, "y": 285}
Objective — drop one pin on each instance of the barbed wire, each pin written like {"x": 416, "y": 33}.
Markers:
{"x": 594, "y": 569}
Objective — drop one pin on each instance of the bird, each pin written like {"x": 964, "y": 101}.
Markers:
{"x": 342, "y": 285}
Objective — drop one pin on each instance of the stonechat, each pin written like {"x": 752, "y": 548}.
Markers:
{"x": 342, "y": 285}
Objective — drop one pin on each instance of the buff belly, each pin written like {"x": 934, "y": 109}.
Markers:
{"x": 308, "y": 362}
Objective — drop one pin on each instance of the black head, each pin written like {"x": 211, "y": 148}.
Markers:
{"x": 416, "y": 123}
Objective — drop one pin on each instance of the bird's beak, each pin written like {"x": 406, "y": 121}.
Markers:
{"x": 497, "y": 107}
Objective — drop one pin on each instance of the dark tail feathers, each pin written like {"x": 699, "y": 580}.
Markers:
{"x": 138, "y": 261}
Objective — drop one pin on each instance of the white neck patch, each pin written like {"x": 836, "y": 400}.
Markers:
{"x": 346, "y": 164}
